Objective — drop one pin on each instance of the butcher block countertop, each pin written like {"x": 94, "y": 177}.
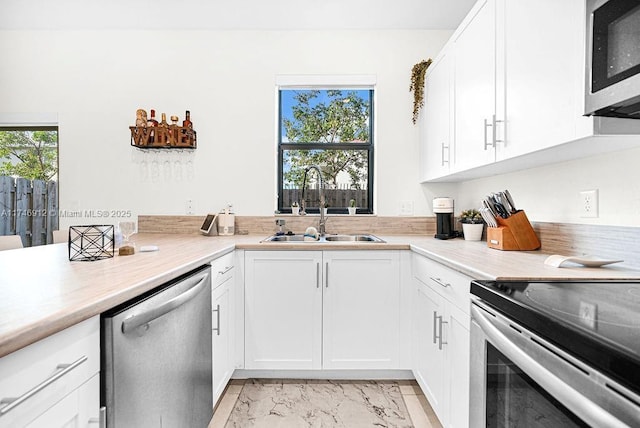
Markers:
{"x": 43, "y": 292}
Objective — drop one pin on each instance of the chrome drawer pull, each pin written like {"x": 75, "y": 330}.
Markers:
{"x": 226, "y": 269}
{"x": 440, "y": 282}
{"x": 11, "y": 403}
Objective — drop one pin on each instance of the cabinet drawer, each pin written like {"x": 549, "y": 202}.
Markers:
{"x": 221, "y": 269}
{"x": 450, "y": 284}
{"x": 51, "y": 369}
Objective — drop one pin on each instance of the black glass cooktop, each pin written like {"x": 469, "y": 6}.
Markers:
{"x": 596, "y": 321}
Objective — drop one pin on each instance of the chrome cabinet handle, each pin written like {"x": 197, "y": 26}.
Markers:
{"x": 226, "y": 269}
{"x": 495, "y": 131}
{"x": 102, "y": 419}
{"x": 435, "y": 328}
{"x": 136, "y": 320}
{"x": 440, "y": 282}
{"x": 326, "y": 272}
{"x": 494, "y": 138}
{"x": 11, "y": 402}
{"x": 440, "y": 341}
{"x": 442, "y": 154}
{"x": 590, "y": 412}
{"x": 217, "y": 311}
{"x": 318, "y": 275}
{"x": 486, "y": 140}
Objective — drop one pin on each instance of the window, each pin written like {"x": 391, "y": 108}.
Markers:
{"x": 333, "y": 130}
{"x": 28, "y": 182}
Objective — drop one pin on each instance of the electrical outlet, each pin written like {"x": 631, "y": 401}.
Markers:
{"x": 589, "y": 201}
{"x": 189, "y": 207}
{"x": 406, "y": 208}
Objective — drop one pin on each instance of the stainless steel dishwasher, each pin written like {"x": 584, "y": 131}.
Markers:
{"x": 156, "y": 357}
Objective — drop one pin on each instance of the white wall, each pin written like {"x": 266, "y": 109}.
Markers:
{"x": 551, "y": 193}
{"x": 95, "y": 81}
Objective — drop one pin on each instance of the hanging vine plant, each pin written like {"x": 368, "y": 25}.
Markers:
{"x": 417, "y": 86}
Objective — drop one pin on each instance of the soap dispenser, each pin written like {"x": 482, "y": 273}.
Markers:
{"x": 226, "y": 222}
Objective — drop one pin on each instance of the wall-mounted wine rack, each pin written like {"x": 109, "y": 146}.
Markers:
{"x": 172, "y": 137}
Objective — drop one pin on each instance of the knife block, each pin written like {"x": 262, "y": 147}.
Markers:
{"x": 513, "y": 233}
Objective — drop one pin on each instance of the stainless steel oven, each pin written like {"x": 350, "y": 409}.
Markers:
{"x": 613, "y": 58}
{"x": 555, "y": 354}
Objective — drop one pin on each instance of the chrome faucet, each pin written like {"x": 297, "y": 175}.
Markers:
{"x": 323, "y": 220}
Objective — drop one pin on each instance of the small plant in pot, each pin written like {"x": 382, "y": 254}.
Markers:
{"x": 295, "y": 208}
{"x": 352, "y": 207}
{"x": 472, "y": 224}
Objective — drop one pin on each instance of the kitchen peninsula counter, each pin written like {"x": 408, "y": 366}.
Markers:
{"x": 43, "y": 292}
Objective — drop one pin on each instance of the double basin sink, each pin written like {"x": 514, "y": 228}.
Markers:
{"x": 327, "y": 238}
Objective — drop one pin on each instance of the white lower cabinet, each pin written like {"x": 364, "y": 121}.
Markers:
{"x": 322, "y": 309}
{"x": 56, "y": 381}
{"x": 223, "y": 325}
{"x": 283, "y": 309}
{"x": 361, "y": 310}
{"x": 441, "y": 339}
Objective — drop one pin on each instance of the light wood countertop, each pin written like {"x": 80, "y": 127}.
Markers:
{"x": 43, "y": 293}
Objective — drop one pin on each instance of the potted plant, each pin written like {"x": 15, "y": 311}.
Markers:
{"x": 295, "y": 208}
{"x": 417, "y": 86}
{"x": 352, "y": 207}
{"x": 472, "y": 224}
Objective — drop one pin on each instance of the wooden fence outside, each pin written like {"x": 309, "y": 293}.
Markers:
{"x": 28, "y": 208}
{"x": 336, "y": 198}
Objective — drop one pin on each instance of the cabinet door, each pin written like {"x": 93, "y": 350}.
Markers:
{"x": 89, "y": 404}
{"x": 541, "y": 102}
{"x": 64, "y": 414}
{"x": 474, "y": 83}
{"x": 428, "y": 358}
{"x": 457, "y": 349}
{"x": 283, "y": 310}
{"x": 361, "y": 310}
{"x": 436, "y": 144}
{"x": 222, "y": 343}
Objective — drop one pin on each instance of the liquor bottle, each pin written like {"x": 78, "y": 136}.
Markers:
{"x": 164, "y": 123}
{"x": 187, "y": 127}
{"x": 174, "y": 134}
{"x": 186, "y": 123}
{"x": 164, "y": 133}
{"x": 152, "y": 120}
{"x": 152, "y": 123}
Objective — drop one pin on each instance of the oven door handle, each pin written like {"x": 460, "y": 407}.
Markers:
{"x": 586, "y": 409}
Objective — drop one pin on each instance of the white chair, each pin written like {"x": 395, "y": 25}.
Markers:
{"x": 10, "y": 242}
{"x": 60, "y": 236}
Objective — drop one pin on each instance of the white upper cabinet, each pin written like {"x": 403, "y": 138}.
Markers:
{"x": 475, "y": 88}
{"x": 538, "y": 70}
{"x": 518, "y": 84}
{"x": 435, "y": 121}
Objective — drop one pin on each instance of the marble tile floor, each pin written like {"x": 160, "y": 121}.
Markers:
{"x": 293, "y": 403}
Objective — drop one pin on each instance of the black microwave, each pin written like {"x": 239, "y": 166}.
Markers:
{"x": 613, "y": 58}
